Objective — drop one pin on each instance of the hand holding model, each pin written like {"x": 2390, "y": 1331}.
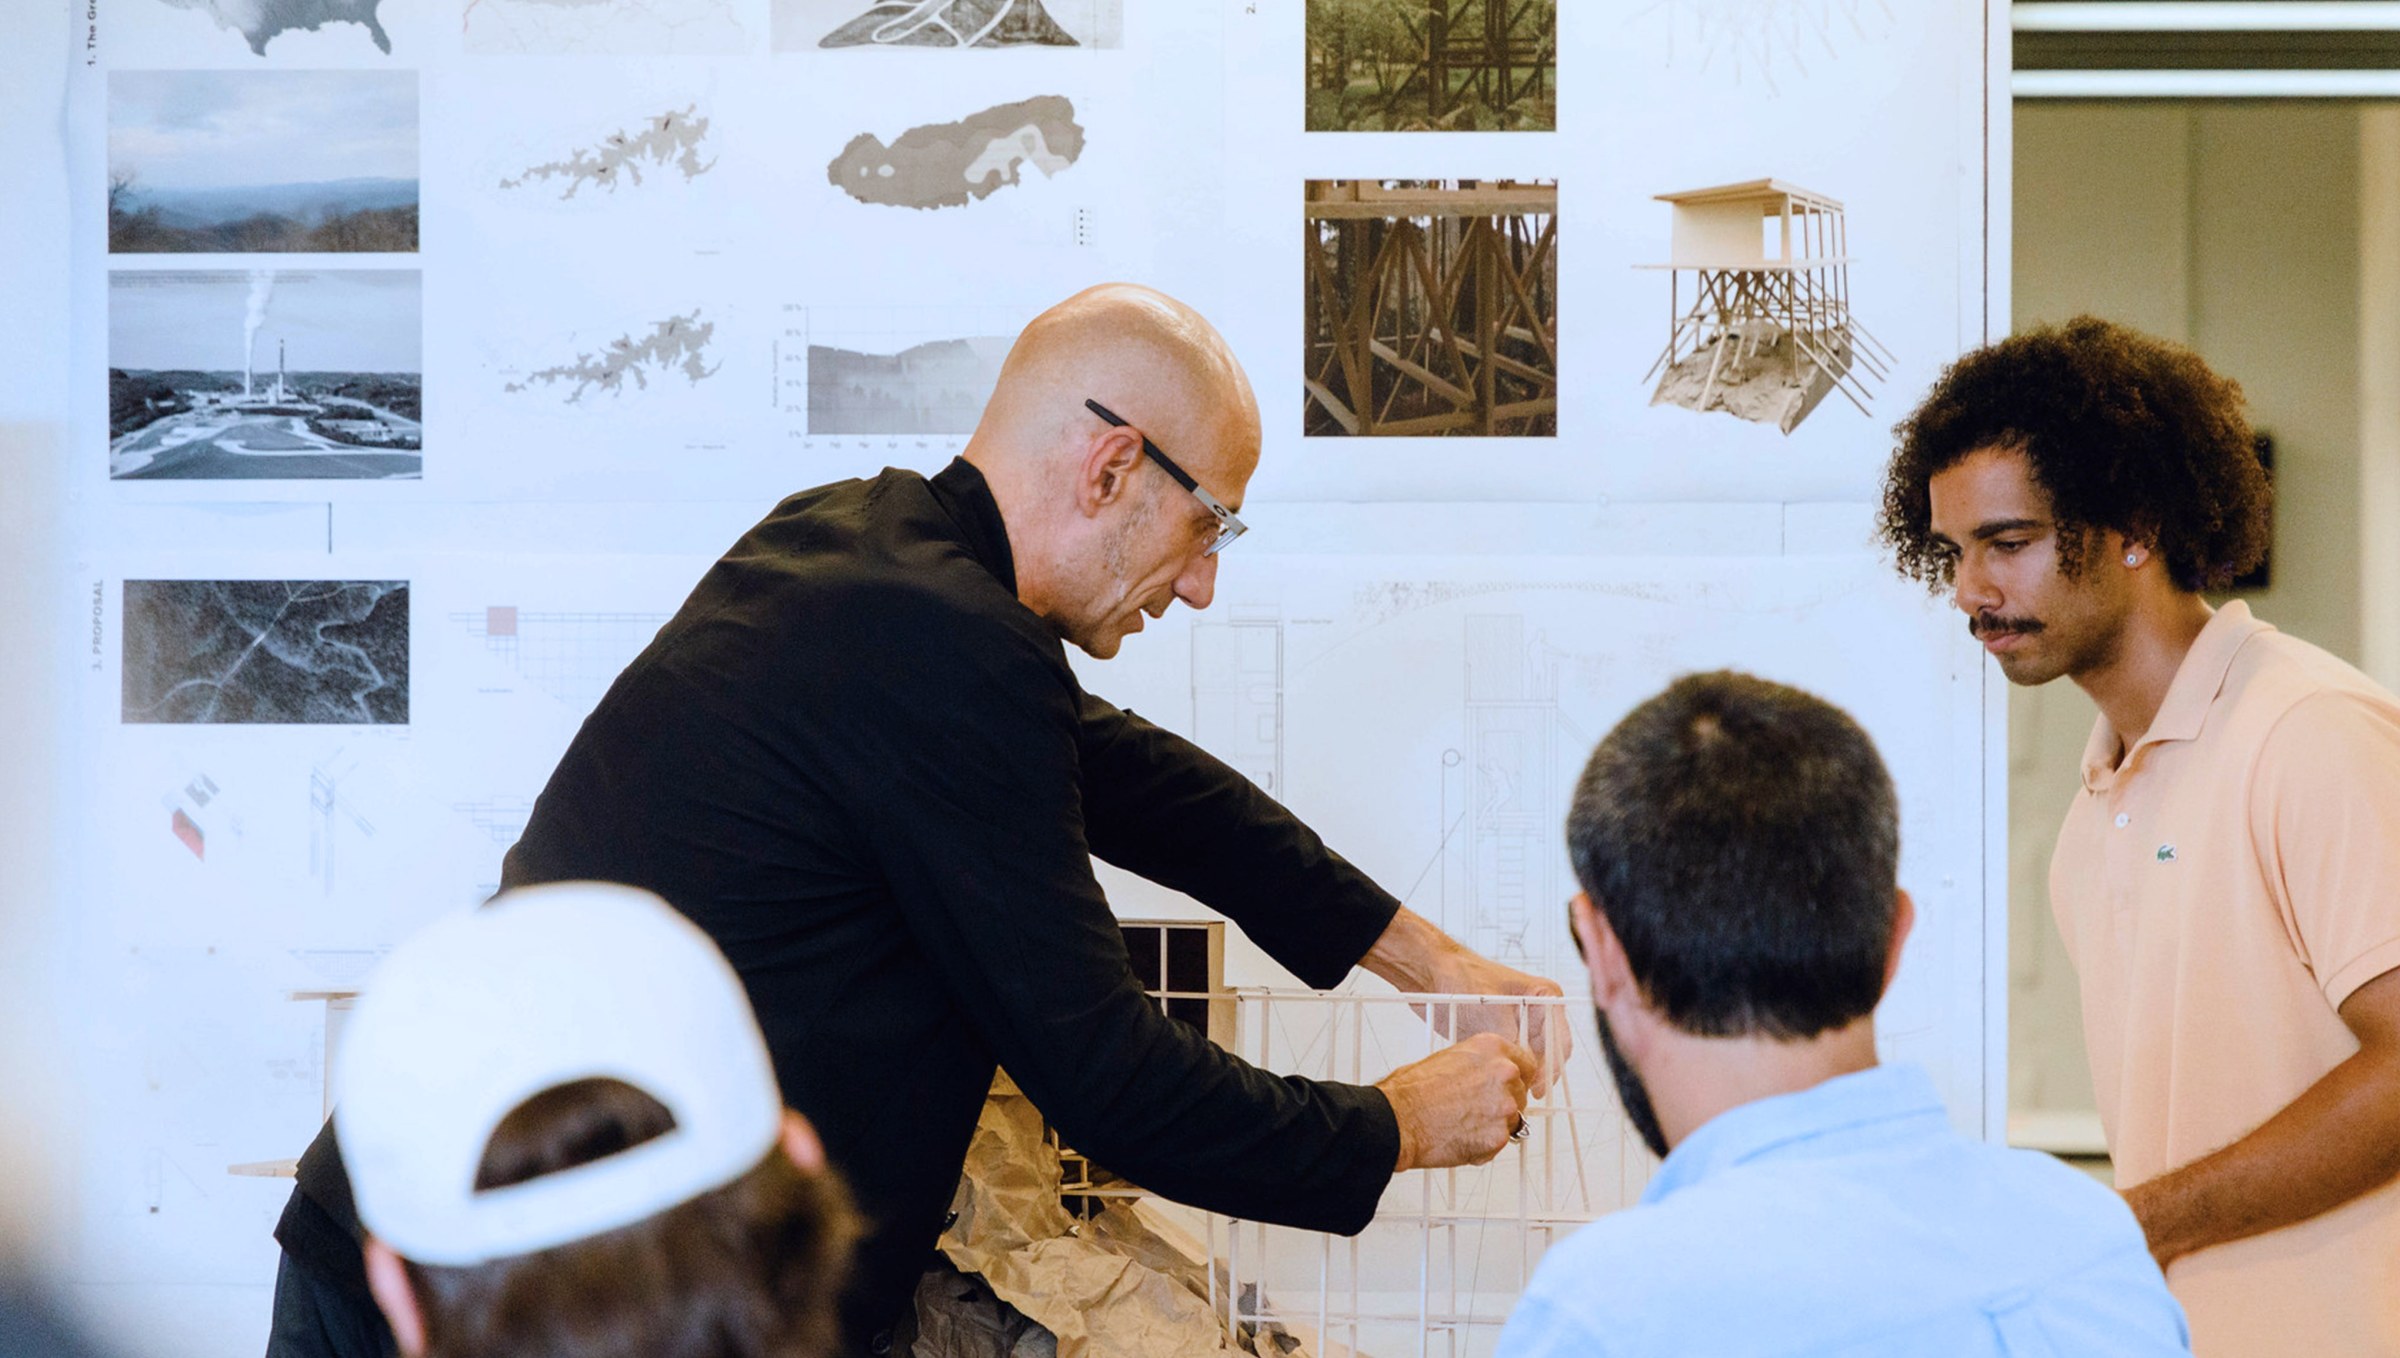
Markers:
{"x": 1460, "y": 1105}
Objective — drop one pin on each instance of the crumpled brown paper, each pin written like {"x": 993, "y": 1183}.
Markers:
{"x": 1124, "y": 1284}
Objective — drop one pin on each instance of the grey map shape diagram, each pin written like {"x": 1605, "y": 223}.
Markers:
{"x": 258, "y": 21}
{"x": 678, "y": 343}
{"x": 952, "y": 23}
{"x": 952, "y": 164}
{"x": 287, "y": 652}
{"x": 671, "y": 138}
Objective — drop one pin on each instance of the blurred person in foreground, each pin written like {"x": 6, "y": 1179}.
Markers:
{"x": 1738, "y": 844}
{"x": 566, "y": 1141}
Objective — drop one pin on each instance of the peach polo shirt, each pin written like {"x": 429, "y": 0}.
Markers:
{"x": 2223, "y": 888}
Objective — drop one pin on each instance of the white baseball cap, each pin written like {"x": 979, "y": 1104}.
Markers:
{"x": 544, "y": 986}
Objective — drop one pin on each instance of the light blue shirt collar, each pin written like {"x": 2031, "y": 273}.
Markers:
{"x": 1768, "y": 1127}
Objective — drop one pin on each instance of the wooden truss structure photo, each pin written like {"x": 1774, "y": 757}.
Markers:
{"x": 1432, "y": 308}
{"x": 1768, "y": 333}
{"x": 1432, "y": 65}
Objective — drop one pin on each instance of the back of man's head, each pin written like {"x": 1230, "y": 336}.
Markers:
{"x": 1742, "y": 839}
{"x": 566, "y": 1141}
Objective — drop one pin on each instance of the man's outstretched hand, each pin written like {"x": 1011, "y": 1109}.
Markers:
{"x": 1415, "y": 956}
{"x": 1458, "y": 1106}
{"x": 1540, "y": 1029}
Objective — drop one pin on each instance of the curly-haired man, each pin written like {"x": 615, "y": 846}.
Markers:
{"x": 2228, "y": 879}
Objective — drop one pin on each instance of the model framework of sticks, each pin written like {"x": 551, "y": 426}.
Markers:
{"x": 1770, "y": 312}
{"x": 1432, "y": 308}
{"x": 1449, "y": 1251}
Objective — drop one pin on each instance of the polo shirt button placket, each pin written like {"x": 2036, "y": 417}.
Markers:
{"x": 2123, "y": 820}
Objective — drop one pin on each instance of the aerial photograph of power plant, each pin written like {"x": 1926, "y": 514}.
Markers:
{"x": 265, "y": 374}
{"x": 261, "y": 162}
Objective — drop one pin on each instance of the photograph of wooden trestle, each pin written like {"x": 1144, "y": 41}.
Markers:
{"x": 1432, "y": 65}
{"x": 1769, "y": 331}
{"x": 1432, "y": 308}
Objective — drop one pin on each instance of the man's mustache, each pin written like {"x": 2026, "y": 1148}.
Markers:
{"x": 1985, "y": 625}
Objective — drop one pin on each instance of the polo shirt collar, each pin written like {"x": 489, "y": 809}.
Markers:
{"x": 2198, "y": 681}
{"x": 1780, "y": 1125}
{"x": 966, "y": 497}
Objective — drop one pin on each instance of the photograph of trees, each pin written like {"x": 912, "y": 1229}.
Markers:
{"x": 1432, "y": 65}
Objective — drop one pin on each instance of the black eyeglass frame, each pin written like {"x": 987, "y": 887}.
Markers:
{"x": 1229, "y": 525}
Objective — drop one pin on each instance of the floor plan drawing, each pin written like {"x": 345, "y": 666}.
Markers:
{"x": 1509, "y": 804}
{"x": 1237, "y": 694}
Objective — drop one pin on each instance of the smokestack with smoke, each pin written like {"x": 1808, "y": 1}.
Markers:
{"x": 262, "y": 288}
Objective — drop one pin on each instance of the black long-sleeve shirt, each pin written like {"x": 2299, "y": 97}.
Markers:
{"x": 867, "y": 770}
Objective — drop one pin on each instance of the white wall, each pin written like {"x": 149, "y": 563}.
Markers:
{"x": 2235, "y": 228}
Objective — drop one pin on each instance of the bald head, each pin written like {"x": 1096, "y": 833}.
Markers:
{"x": 1151, "y": 359}
{"x": 1101, "y": 536}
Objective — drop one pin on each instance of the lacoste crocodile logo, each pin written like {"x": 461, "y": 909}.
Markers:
{"x": 2166, "y": 853}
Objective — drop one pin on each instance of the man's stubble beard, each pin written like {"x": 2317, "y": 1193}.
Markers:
{"x": 1631, "y": 1092}
{"x": 1116, "y": 562}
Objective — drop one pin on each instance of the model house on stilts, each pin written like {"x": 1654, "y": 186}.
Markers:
{"x": 1767, "y": 332}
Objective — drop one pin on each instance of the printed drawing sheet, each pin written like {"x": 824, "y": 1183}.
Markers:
{"x": 1429, "y": 717}
{"x": 432, "y": 349}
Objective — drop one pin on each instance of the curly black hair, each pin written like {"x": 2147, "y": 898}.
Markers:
{"x": 2124, "y": 431}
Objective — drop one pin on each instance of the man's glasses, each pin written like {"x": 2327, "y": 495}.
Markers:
{"x": 1229, "y": 527}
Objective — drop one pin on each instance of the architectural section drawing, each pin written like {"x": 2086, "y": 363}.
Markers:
{"x": 952, "y": 164}
{"x": 676, "y": 139}
{"x": 1768, "y": 332}
{"x": 1432, "y": 307}
{"x": 502, "y": 819}
{"x": 241, "y": 162}
{"x": 1433, "y": 66}
{"x": 1237, "y": 694}
{"x": 191, "y": 395}
{"x": 259, "y": 21}
{"x": 678, "y": 344}
{"x": 571, "y": 656}
{"x": 1503, "y": 802}
{"x": 334, "y": 817}
{"x": 1759, "y": 38}
{"x": 307, "y": 652}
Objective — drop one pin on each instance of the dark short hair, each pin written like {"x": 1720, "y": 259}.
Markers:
{"x": 749, "y": 1270}
{"x": 2124, "y": 431}
{"x": 1743, "y": 840}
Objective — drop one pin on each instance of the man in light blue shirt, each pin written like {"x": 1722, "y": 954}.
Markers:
{"x": 1737, "y": 843}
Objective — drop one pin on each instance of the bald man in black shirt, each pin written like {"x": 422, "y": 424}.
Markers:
{"x": 858, "y": 758}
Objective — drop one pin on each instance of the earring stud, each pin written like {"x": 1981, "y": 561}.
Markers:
{"x": 2133, "y": 558}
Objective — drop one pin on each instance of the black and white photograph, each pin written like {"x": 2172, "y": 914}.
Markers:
{"x": 266, "y": 652}
{"x": 265, "y": 374}
{"x": 262, "y": 162}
